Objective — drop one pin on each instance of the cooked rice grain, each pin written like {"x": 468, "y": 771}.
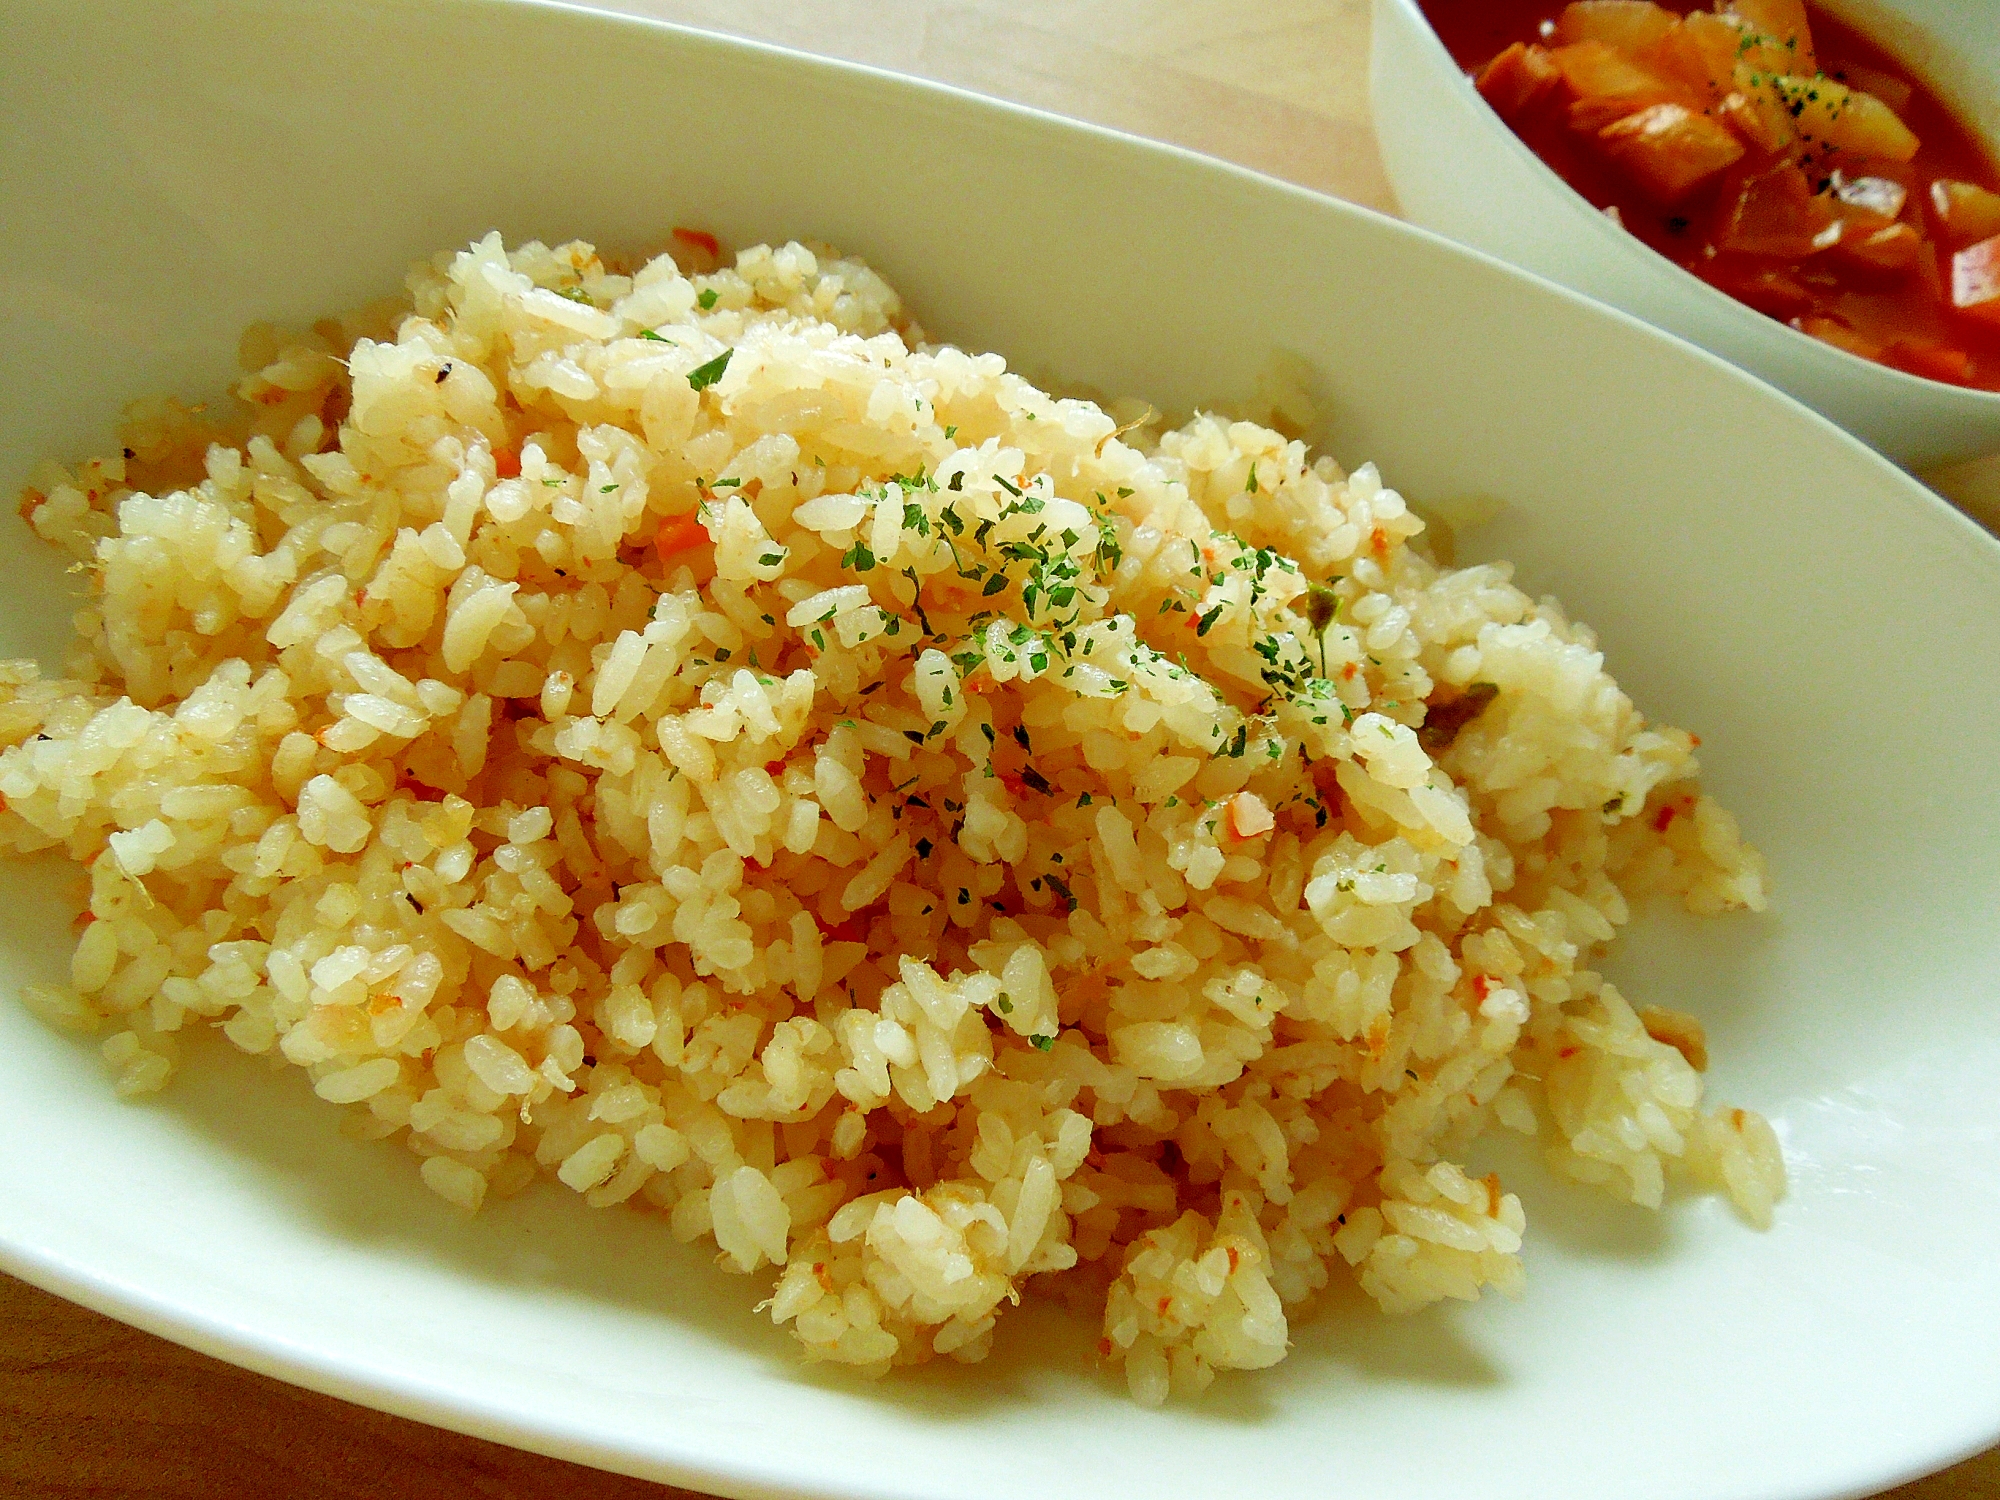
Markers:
{"x": 886, "y": 818}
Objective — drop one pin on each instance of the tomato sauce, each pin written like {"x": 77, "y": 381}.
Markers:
{"x": 1772, "y": 183}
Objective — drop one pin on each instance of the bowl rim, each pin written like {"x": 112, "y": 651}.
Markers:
{"x": 1617, "y": 242}
{"x": 389, "y": 1387}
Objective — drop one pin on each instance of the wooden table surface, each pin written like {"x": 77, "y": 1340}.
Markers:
{"x": 89, "y": 1407}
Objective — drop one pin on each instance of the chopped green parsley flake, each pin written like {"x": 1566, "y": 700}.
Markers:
{"x": 701, "y": 377}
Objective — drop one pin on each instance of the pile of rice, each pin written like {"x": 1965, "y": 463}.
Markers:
{"x": 685, "y": 733}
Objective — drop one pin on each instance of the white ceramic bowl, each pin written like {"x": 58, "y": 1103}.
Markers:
{"x": 1458, "y": 169}
{"x": 1830, "y": 628}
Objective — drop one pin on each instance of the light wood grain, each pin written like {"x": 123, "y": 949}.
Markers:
{"x": 90, "y": 1407}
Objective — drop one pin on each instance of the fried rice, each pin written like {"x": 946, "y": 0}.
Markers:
{"x": 687, "y": 734}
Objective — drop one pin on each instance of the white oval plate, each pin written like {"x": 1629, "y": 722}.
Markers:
{"x": 1832, "y": 630}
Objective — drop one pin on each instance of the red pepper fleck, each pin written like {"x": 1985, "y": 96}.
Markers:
{"x": 1326, "y": 783}
{"x": 1347, "y": 672}
{"x": 1235, "y": 1257}
{"x": 1013, "y": 782}
{"x": 1663, "y": 817}
{"x": 506, "y": 463}
{"x": 853, "y": 930}
{"x": 1568, "y": 1052}
{"x": 701, "y": 239}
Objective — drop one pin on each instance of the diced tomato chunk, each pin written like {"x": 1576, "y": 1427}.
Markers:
{"x": 1965, "y": 211}
{"x": 1761, "y": 120}
{"x": 1893, "y": 248}
{"x": 1833, "y": 331}
{"x": 1776, "y": 294}
{"x": 1831, "y": 114}
{"x": 680, "y": 534}
{"x": 1869, "y": 196}
{"x": 1932, "y": 361}
{"x": 1787, "y": 45}
{"x": 1704, "y": 50}
{"x": 1775, "y": 213}
{"x": 1517, "y": 78}
{"x": 1669, "y": 150}
{"x": 1631, "y": 25}
{"x": 1588, "y": 116}
{"x": 1594, "y": 71}
{"x": 1975, "y": 281}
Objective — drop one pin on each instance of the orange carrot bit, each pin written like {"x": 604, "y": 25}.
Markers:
{"x": 1249, "y": 817}
{"x": 1015, "y": 782}
{"x": 506, "y": 463}
{"x": 680, "y": 534}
